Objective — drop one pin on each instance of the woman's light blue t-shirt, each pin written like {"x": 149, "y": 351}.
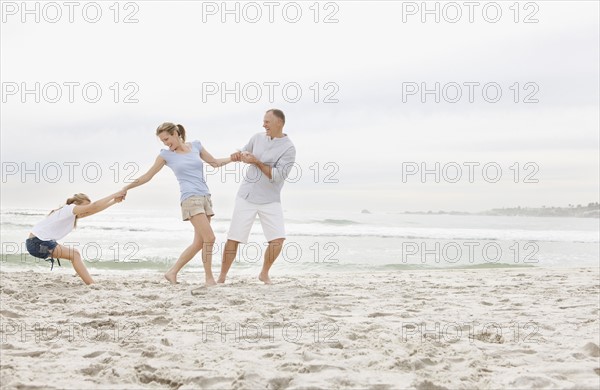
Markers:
{"x": 188, "y": 169}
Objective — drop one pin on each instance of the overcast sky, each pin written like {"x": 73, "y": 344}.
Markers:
{"x": 362, "y": 149}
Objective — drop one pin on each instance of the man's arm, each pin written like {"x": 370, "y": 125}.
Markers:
{"x": 249, "y": 158}
{"x": 279, "y": 172}
{"x": 282, "y": 167}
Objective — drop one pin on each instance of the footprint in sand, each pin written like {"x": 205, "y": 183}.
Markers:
{"x": 354, "y": 337}
{"x": 10, "y": 314}
{"x": 336, "y": 345}
{"x": 290, "y": 366}
{"x": 280, "y": 383}
{"x": 317, "y": 295}
{"x": 93, "y": 354}
{"x": 149, "y": 353}
{"x": 532, "y": 382}
{"x": 161, "y": 321}
{"x": 29, "y": 354}
{"x": 318, "y": 368}
{"x": 144, "y": 367}
{"x": 427, "y": 385}
{"x": 379, "y": 314}
{"x": 166, "y": 342}
{"x": 147, "y": 374}
{"x": 492, "y": 338}
{"x": 93, "y": 369}
{"x": 592, "y": 349}
{"x": 199, "y": 291}
{"x": 152, "y": 297}
{"x": 99, "y": 324}
{"x": 85, "y": 314}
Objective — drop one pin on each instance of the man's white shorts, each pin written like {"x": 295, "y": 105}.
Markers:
{"x": 244, "y": 214}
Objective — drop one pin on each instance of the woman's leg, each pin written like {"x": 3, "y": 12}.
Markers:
{"x": 204, "y": 238}
{"x": 72, "y": 254}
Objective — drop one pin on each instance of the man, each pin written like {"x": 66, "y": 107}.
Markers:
{"x": 271, "y": 155}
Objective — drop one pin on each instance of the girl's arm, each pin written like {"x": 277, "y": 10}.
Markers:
{"x": 214, "y": 162}
{"x": 146, "y": 177}
{"x": 99, "y": 205}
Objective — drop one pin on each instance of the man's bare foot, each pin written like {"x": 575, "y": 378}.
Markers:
{"x": 172, "y": 278}
{"x": 210, "y": 282}
{"x": 265, "y": 279}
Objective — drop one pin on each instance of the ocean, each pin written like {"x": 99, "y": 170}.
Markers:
{"x": 138, "y": 240}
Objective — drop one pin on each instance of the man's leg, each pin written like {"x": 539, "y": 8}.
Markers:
{"x": 229, "y": 253}
{"x": 273, "y": 251}
{"x": 244, "y": 214}
{"x": 271, "y": 219}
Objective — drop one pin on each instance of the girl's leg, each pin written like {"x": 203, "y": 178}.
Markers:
{"x": 208, "y": 236}
{"x": 204, "y": 238}
{"x": 72, "y": 254}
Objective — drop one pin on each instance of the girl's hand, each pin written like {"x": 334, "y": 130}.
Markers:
{"x": 120, "y": 196}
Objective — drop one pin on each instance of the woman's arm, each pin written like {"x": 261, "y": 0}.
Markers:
{"x": 213, "y": 162}
{"x": 99, "y": 205}
{"x": 146, "y": 177}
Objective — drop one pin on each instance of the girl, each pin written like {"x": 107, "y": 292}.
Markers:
{"x": 60, "y": 222}
{"x": 185, "y": 159}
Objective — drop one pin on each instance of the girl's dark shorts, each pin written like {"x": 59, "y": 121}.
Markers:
{"x": 39, "y": 248}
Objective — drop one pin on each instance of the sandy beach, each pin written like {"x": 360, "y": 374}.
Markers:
{"x": 454, "y": 329}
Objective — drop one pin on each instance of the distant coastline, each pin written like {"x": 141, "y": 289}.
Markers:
{"x": 592, "y": 210}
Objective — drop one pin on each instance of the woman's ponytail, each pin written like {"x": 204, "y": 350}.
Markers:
{"x": 181, "y": 131}
{"x": 171, "y": 128}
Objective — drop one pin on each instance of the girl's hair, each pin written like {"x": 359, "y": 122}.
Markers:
{"x": 171, "y": 128}
{"x": 78, "y": 199}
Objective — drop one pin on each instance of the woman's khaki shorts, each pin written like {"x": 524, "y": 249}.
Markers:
{"x": 196, "y": 205}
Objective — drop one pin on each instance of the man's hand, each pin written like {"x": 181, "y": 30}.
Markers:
{"x": 237, "y": 156}
{"x": 249, "y": 158}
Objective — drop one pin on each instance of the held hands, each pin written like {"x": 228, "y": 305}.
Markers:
{"x": 237, "y": 156}
{"x": 120, "y": 196}
{"x": 248, "y": 158}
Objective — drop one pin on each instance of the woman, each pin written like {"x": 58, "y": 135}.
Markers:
{"x": 185, "y": 159}
{"x": 60, "y": 222}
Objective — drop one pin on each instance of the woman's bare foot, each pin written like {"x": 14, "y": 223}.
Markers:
{"x": 172, "y": 278}
{"x": 221, "y": 279}
{"x": 264, "y": 278}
